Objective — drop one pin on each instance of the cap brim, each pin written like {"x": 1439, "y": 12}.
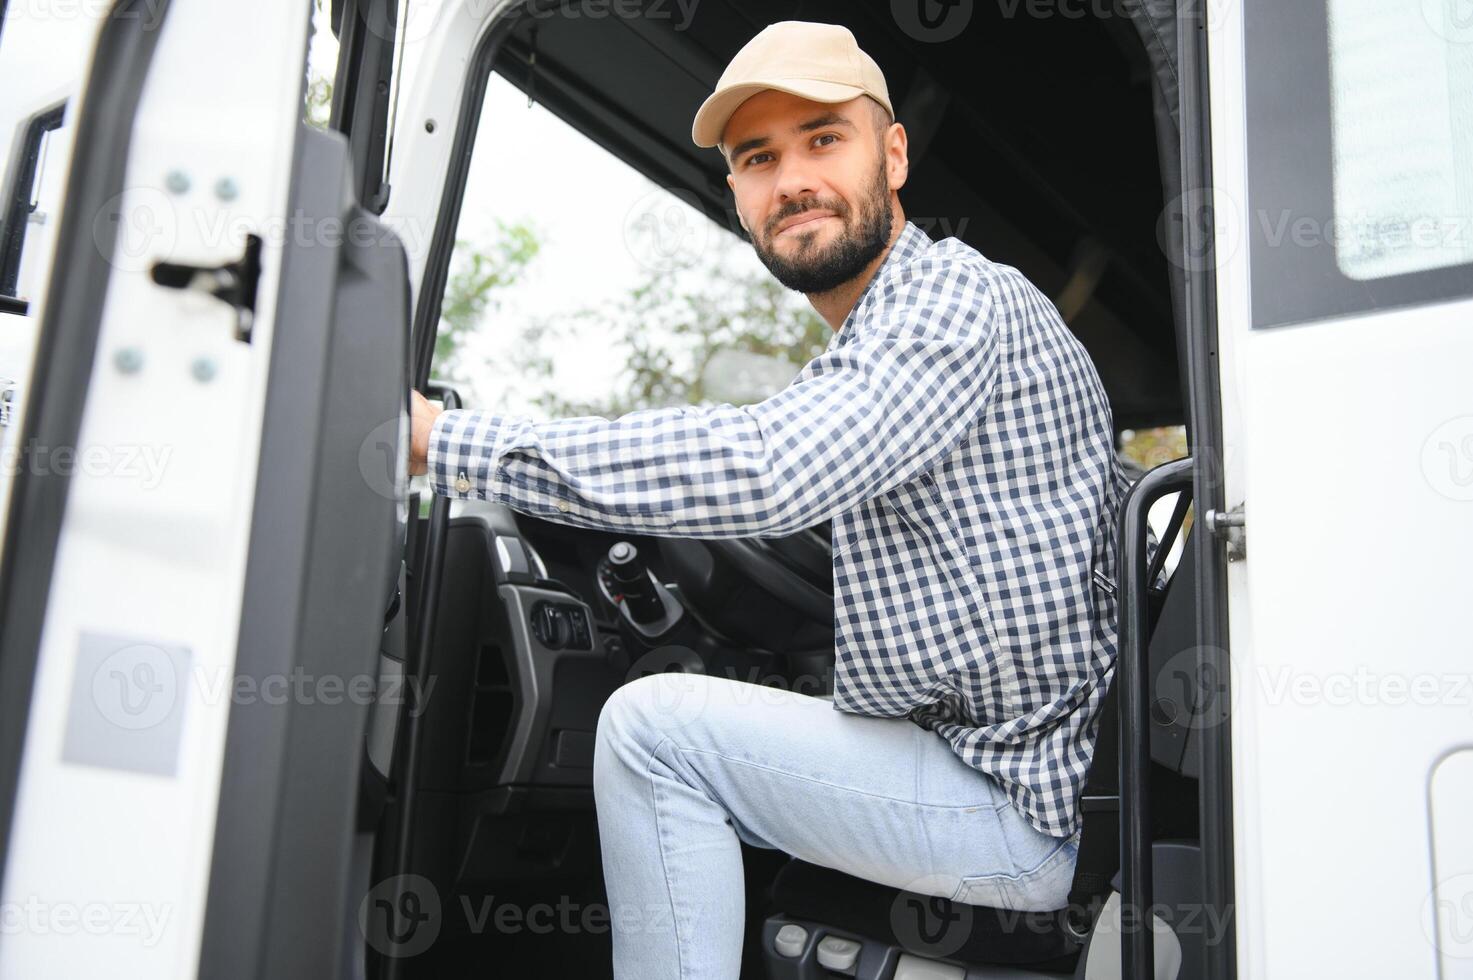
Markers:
{"x": 712, "y": 117}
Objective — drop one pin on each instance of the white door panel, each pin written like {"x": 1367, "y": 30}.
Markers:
{"x": 110, "y": 851}
{"x": 1348, "y": 423}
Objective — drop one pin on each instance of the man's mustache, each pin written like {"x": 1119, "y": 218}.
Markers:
{"x": 838, "y": 210}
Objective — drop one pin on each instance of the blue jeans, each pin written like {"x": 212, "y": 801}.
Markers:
{"x": 686, "y": 765}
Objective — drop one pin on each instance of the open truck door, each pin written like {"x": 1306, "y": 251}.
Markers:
{"x": 1340, "y": 283}
{"x": 196, "y": 641}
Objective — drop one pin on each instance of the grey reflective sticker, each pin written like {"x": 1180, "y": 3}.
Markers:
{"x": 127, "y": 704}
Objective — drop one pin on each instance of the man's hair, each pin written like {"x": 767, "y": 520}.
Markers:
{"x": 878, "y": 114}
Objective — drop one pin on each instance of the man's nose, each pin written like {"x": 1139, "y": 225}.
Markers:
{"x": 796, "y": 181}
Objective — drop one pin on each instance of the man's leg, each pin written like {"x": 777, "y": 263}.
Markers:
{"x": 686, "y": 765}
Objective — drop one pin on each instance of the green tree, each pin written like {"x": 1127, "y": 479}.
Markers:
{"x": 319, "y": 100}
{"x": 318, "y": 103}
{"x": 479, "y": 278}
{"x": 672, "y": 324}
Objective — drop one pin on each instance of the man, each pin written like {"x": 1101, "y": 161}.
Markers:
{"x": 959, "y": 439}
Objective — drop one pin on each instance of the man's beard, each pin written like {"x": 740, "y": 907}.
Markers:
{"x": 818, "y": 270}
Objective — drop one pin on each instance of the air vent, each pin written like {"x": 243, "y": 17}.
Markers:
{"x": 491, "y": 667}
{"x": 491, "y": 707}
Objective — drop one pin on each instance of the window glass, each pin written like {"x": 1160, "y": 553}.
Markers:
{"x": 1142, "y": 450}
{"x": 1401, "y": 96}
{"x": 322, "y": 60}
{"x": 577, "y": 286}
{"x": 1360, "y": 155}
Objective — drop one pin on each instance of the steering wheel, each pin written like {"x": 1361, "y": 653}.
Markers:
{"x": 796, "y": 569}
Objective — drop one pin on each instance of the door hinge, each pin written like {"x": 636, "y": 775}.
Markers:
{"x": 1232, "y": 528}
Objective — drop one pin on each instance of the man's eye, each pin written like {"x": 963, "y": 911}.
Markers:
{"x": 756, "y": 158}
{"x": 825, "y": 136}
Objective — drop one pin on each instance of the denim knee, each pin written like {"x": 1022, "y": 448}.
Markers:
{"x": 647, "y": 709}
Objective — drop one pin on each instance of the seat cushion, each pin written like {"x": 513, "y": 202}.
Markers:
{"x": 922, "y": 924}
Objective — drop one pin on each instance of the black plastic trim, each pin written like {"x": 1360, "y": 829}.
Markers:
{"x": 1201, "y": 330}
{"x": 324, "y": 555}
{"x": 66, "y": 350}
{"x": 424, "y": 612}
{"x": 361, "y": 86}
{"x": 237, "y": 910}
{"x": 22, "y": 179}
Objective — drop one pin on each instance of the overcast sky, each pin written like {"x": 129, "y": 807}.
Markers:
{"x": 530, "y": 166}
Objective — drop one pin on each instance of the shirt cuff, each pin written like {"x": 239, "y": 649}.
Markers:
{"x": 463, "y": 453}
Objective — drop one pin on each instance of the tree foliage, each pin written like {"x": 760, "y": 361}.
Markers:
{"x": 479, "y": 279}
{"x": 664, "y": 333}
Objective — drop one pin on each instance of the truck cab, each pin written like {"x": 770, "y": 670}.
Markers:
{"x": 272, "y": 709}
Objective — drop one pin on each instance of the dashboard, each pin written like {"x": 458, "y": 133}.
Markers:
{"x": 539, "y": 623}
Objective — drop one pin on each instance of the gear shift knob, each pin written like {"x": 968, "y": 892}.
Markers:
{"x": 632, "y": 583}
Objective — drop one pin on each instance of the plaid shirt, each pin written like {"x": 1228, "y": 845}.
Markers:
{"x": 956, "y": 434}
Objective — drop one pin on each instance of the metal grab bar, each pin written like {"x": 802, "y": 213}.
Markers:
{"x": 1133, "y": 675}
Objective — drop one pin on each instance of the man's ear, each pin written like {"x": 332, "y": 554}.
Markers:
{"x": 732, "y": 184}
{"x": 897, "y": 156}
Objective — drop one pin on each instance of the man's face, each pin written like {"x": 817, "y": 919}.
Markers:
{"x": 813, "y": 185}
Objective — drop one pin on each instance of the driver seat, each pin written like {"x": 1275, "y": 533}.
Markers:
{"x": 880, "y": 932}
{"x": 822, "y": 901}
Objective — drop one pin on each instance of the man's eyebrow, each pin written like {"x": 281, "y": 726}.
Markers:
{"x": 746, "y": 145}
{"x": 827, "y": 119}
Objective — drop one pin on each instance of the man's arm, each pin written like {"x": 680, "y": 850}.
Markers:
{"x": 859, "y": 420}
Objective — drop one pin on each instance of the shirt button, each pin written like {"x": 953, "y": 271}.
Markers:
{"x": 462, "y": 485}
{"x": 562, "y": 505}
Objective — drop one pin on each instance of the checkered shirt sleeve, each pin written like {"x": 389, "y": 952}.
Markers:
{"x": 858, "y": 420}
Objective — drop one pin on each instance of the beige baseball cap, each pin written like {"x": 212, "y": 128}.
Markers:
{"x": 821, "y": 62}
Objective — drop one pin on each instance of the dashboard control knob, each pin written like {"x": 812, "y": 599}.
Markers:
{"x": 562, "y": 626}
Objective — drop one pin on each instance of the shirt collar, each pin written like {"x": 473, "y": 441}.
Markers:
{"x": 909, "y": 243}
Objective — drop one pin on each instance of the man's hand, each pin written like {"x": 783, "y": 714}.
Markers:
{"x": 422, "y": 417}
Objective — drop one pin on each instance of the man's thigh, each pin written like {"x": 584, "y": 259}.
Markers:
{"x": 879, "y": 798}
